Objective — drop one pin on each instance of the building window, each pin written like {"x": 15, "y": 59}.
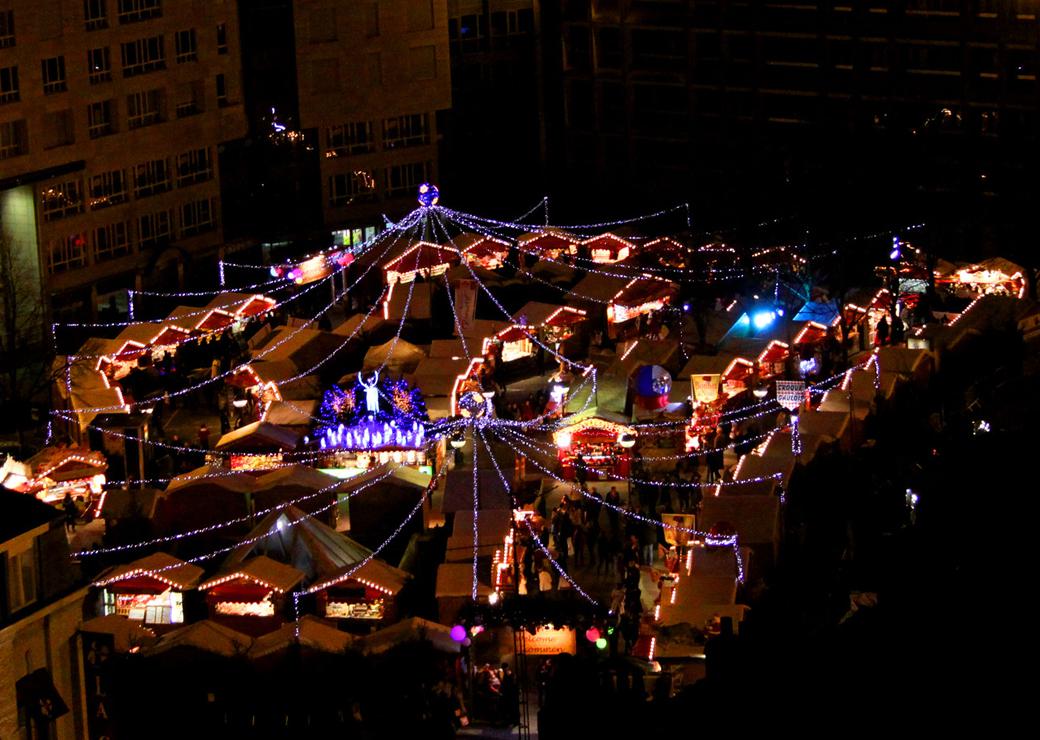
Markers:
{"x": 222, "y": 98}
{"x": 67, "y": 253}
{"x": 189, "y": 99}
{"x": 349, "y": 138}
{"x": 21, "y": 578}
{"x": 8, "y": 84}
{"x": 197, "y": 217}
{"x": 143, "y": 55}
{"x": 99, "y": 119}
{"x": 371, "y": 20}
{"x": 187, "y": 48}
{"x": 112, "y": 241}
{"x": 12, "y": 139}
{"x": 6, "y": 28}
{"x": 108, "y": 189}
{"x": 99, "y": 65}
{"x": 345, "y": 189}
{"x": 131, "y": 11}
{"x": 144, "y": 108}
{"x": 194, "y": 166}
{"x": 152, "y": 178}
{"x": 54, "y": 75}
{"x": 323, "y": 25}
{"x": 95, "y": 14}
{"x": 405, "y": 178}
{"x": 405, "y": 131}
{"x": 155, "y": 229}
{"x": 61, "y": 200}
{"x": 222, "y": 47}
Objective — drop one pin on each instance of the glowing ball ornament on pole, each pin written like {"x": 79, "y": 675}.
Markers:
{"x": 429, "y": 194}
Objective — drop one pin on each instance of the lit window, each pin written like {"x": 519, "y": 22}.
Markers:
{"x": 61, "y": 200}
{"x": 349, "y": 138}
{"x": 346, "y": 188}
{"x": 67, "y": 253}
{"x": 99, "y": 65}
{"x": 108, "y": 189}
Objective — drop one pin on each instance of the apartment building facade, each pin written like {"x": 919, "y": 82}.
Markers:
{"x": 111, "y": 115}
{"x": 659, "y": 90}
{"x": 372, "y": 78}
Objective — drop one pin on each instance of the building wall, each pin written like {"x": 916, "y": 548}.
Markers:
{"x": 363, "y": 64}
{"x": 44, "y": 639}
{"x": 57, "y": 132}
{"x": 660, "y": 90}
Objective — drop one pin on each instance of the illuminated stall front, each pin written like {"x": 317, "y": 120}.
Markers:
{"x": 609, "y": 248}
{"x": 54, "y": 471}
{"x": 149, "y": 590}
{"x": 375, "y": 421}
{"x": 639, "y": 297}
{"x": 422, "y": 258}
{"x": 994, "y": 276}
{"x": 481, "y": 250}
{"x": 548, "y": 243}
{"x": 598, "y": 440}
{"x": 515, "y": 344}
{"x": 252, "y": 596}
{"x": 257, "y": 446}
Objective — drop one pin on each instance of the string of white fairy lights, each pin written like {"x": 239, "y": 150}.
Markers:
{"x": 166, "y": 539}
{"x": 708, "y": 537}
{"x": 534, "y": 537}
{"x": 289, "y": 335}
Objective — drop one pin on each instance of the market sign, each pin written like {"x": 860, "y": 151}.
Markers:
{"x": 790, "y": 393}
{"x": 551, "y": 641}
{"x": 705, "y": 387}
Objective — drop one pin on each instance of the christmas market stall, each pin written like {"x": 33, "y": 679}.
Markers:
{"x": 257, "y": 446}
{"x": 55, "y": 471}
{"x": 421, "y": 259}
{"x": 609, "y": 247}
{"x": 371, "y": 420}
{"x": 149, "y": 590}
{"x": 995, "y": 275}
{"x": 548, "y": 243}
{"x": 598, "y": 440}
{"x": 481, "y": 250}
{"x": 641, "y": 296}
{"x": 252, "y": 595}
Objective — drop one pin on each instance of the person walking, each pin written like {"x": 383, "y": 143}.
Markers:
{"x": 68, "y": 505}
{"x": 204, "y": 436}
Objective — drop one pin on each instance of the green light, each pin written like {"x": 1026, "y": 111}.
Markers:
{"x": 601, "y": 643}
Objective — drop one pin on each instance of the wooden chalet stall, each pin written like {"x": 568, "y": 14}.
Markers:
{"x": 421, "y": 259}
{"x": 149, "y": 590}
{"x": 481, "y": 250}
{"x": 54, "y": 471}
{"x": 640, "y": 296}
{"x": 252, "y": 596}
{"x": 548, "y": 243}
{"x": 257, "y": 446}
{"x": 609, "y": 247}
{"x": 597, "y": 439}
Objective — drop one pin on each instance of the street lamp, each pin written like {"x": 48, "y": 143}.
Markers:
{"x": 760, "y": 391}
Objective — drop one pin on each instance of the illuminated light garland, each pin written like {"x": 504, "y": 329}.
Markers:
{"x": 227, "y": 523}
{"x": 476, "y": 514}
{"x": 708, "y": 538}
{"x": 322, "y": 585}
{"x": 559, "y": 569}
{"x": 264, "y": 352}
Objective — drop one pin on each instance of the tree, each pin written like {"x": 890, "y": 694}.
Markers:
{"x": 25, "y": 354}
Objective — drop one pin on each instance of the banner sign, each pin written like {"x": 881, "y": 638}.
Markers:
{"x": 790, "y": 393}
{"x": 705, "y": 388}
{"x": 465, "y": 305}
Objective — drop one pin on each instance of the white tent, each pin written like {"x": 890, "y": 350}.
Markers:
{"x": 397, "y": 355}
